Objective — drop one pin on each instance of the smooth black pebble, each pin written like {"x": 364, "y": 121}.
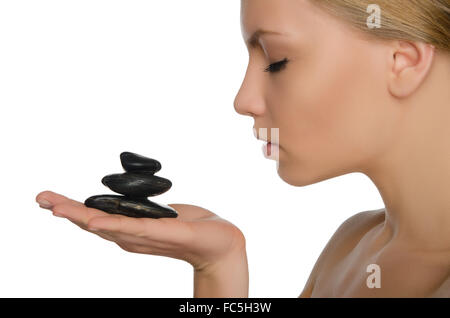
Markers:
{"x": 137, "y": 208}
{"x": 136, "y": 185}
{"x": 132, "y": 162}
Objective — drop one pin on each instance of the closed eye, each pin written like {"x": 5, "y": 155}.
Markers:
{"x": 276, "y": 67}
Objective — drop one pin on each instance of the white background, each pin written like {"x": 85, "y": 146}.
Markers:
{"x": 82, "y": 81}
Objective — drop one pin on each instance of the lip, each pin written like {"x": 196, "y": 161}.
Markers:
{"x": 266, "y": 142}
{"x": 262, "y": 139}
{"x": 272, "y": 148}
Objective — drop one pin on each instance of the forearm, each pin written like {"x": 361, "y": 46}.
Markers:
{"x": 228, "y": 278}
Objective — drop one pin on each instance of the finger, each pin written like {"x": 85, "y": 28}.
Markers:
{"x": 81, "y": 225}
{"x": 47, "y": 199}
{"x": 84, "y": 227}
{"x": 134, "y": 248}
{"x": 143, "y": 249}
{"x": 106, "y": 236}
{"x": 120, "y": 237}
{"x": 61, "y": 212}
{"x": 79, "y": 214}
{"x": 190, "y": 211}
{"x": 162, "y": 229}
{"x": 113, "y": 237}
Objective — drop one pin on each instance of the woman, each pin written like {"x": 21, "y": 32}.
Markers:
{"x": 351, "y": 87}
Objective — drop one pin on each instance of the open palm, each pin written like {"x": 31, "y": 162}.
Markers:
{"x": 197, "y": 235}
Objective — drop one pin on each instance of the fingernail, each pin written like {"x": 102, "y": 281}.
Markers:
{"x": 44, "y": 203}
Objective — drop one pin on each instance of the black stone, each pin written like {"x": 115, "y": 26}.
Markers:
{"x": 136, "y": 185}
{"x": 133, "y": 162}
{"x": 137, "y": 208}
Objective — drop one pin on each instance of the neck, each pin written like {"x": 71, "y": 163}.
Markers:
{"x": 413, "y": 178}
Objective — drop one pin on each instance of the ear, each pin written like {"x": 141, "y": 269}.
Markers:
{"x": 409, "y": 65}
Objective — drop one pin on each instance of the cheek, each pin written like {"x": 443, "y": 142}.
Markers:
{"x": 327, "y": 111}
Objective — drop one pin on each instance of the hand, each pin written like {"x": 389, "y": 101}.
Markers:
{"x": 196, "y": 236}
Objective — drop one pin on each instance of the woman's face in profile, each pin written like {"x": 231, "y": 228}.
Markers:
{"x": 328, "y": 99}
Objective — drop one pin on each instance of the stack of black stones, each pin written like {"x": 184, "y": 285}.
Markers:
{"x": 136, "y": 184}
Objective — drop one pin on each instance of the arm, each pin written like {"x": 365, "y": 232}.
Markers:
{"x": 227, "y": 278}
{"x": 215, "y": 247}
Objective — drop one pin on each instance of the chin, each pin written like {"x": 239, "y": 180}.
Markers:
{"x": 293, "y": 174}
{"x": 300, "y": 175}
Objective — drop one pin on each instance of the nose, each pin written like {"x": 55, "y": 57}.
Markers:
{"x": 239, "y": 106}
{"x": 249, "y": 100}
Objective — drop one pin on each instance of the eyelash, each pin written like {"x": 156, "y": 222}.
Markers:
{"x": 276, "y": 67}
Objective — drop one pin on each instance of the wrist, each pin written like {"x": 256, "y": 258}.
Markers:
{"x": 227, "y": 278}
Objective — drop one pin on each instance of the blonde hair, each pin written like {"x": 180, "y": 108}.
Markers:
{"x": 415, "y": 20}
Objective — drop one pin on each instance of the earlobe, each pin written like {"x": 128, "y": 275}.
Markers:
{"x": 409, "y": 66}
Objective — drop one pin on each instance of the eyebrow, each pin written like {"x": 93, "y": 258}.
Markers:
{"x": 254, "y": 38}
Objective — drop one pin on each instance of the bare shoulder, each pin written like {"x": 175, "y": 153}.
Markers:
{"x": 352, "y": 228}
{"x": 443, "y": 291}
